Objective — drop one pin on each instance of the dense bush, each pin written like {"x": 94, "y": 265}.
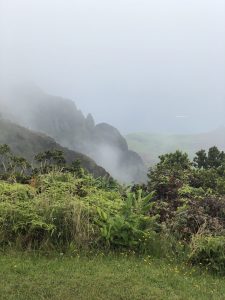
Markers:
{"x": 169, "y": 175}
{"x": 131, "y": 227}
{"x": 208, "y": 251}
{"x": 63, "y": 207}
{"x": 54, "y": 213}
{"x": 60, "y": 211}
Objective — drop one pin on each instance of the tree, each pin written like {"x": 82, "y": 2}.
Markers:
{"x": 5, "y": 153}
{"x": 77, "y": 169}
{"x": 214, "y": 157}
{"x": 201, "y": 159}
{"x": 177, "y": 160}
{"x": 170, "y": 174}
{"x": 50, "y": 159}
{"x": 20, "y": 165}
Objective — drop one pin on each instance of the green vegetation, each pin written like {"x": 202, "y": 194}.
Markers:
{"x": 62, "y": 206}
{"x": 62, "y": 212}
{"x": 178, "y": 217}
{"x": 26, "y": 276}
{"x": 190, "y": 202}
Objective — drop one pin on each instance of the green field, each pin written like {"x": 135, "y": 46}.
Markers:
{"x": 26, "y": 277}
{"x": 151, "y": 145}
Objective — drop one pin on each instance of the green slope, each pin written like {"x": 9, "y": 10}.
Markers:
{"x": 150, "y": 146}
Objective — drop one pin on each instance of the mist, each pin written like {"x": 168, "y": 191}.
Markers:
{"x": 140, "y": 65}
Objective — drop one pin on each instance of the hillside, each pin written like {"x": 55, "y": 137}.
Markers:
{"x": 26, "y": 143}
{"x": 150, "y": 146}
{"x": 59, "y": 118}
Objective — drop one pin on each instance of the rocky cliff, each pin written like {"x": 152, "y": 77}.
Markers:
{"x": 61, "y": 119}
{"x": 26, "y": 143}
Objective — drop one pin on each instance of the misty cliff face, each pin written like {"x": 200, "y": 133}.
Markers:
{"x": 26, "y": 143}
{"x": 111, "y": 151}
{"x": 60, "y": 119}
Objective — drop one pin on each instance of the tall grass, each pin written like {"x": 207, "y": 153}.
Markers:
{"x": 60, "y": 212}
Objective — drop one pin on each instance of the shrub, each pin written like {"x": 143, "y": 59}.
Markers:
{"x": 188, "y": 191}
{"x": 169, "y": 175}
{"x": 198, "y": 215}
{"x": 208, "y": 251}
{"x": 15, "y": 192}
{"x": 130, "y": 227}
{"x": 60, "y": 211}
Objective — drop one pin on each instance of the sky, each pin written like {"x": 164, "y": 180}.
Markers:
{"x": 140, "y": 65}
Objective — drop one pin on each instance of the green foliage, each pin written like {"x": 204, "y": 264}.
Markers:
{"x": 169, "y": 175}
{"x": 200, "y": 160}
{"x": 187, "y": 191}
{"x": 61, "y": 210}
{"x": 188, "y": 216}
{"x": 5, "y": 153}
{"x": 77, "y": 169}
{"x": 108, "y": 184}
{"x": 175, "y": 171}
{"x": 13, "y": 168}
{"x": 18, "y": 169}
{"x": 208, "y": 251}
{"x": 220, "y": 186}
{"x": 213, "y": 159}
{"x": 54, "y": 214}
{"x": 50, "y": 160}
{"x": 130, "y": 228}
{"x": 190, "y": 202}
{"x": 15, "y": 192}
{"x": 63, "y": 207}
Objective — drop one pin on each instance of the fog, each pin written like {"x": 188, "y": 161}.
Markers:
{"x": 140, "y": 65}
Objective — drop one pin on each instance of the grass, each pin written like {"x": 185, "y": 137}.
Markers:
{"x": 25, "y": 276}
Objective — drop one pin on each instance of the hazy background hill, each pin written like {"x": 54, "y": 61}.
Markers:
{"x": 26, "y": 143}
{"x": 59, "y": 118}
{"x": 150, "y": 145}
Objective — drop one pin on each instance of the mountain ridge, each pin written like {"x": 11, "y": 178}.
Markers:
{"x": 26, "y": 143}
{"x": 60, "y": 119}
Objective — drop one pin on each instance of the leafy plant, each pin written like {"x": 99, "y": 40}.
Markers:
{"x": 208, "y": 251}
{"x": 131, "y": 227}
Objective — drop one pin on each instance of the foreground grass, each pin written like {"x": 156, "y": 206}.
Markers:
{"x": 102, "y": 277}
